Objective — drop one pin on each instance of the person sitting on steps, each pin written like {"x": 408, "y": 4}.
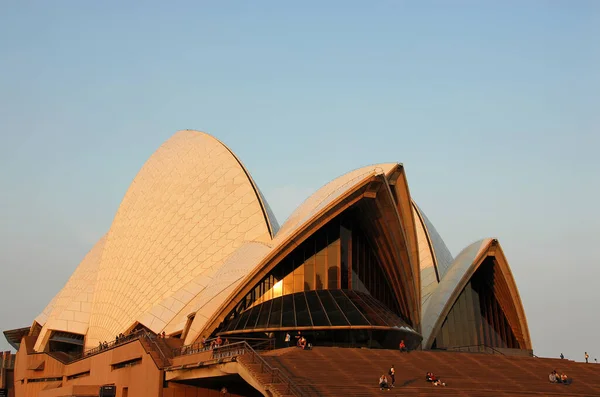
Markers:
{"x": 565, "y": 380}
{"x": 430, "y": 377}
{"x": 402, "y": 347}
{"x": 383, "y": 383}
{"x": 302, "y": 343}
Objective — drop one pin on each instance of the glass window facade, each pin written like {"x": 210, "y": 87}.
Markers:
{"x": 477, "y": 318}
{"x": 66, "y": 342}
{"x": 339, "y": 256}
{"x": 320, "y": 308}
{"x": 367, "y": 274}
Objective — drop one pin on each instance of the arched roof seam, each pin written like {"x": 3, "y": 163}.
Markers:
{"x": 429, "y": 242}
{"x": 373, "y": 169}
{"x": 257, "y": 192}
{"x": 403, "y": 234}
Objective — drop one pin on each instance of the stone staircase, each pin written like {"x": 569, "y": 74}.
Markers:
{"x": 271, "y": 378}
{"x": 335, "y": 372}
{"x": 159, "y": 349}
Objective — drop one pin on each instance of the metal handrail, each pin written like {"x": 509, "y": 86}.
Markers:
{"x": 242, "y": 348}
{"x": 127, "y": 338}
{"x": 276, "y": 373}
{"x": 461, "y": 348}
{"x": 110, "y": 345}
{"x": 157, "y": 348}
{"x": 207, "y": 345}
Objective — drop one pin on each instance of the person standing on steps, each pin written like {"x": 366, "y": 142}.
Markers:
{"x": 393, "y": 375}
{"x": 287, "y": 340}
{"x": 587, "y": 356}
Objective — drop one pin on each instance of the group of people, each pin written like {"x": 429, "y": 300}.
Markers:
{"x": 214, "y": 343}
{"x": 122, "y": 338}
{"x": 301, "y": 341}
{"x": 383, "y": 380}
{"x": 586, "y": 356}
{"x": 385, "y": 384}
{"x": 204, "y": 345}
{"x": 554, "y": 377}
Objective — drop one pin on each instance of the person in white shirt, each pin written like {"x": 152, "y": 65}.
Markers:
{"x": 383, "y": 383}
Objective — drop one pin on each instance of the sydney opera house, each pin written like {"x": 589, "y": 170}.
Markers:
{"x": 194, "y": 253}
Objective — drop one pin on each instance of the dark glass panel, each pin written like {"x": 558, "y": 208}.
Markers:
{"x": 288, "y": 318}
{"x": 268, "y": 288}
{"x": 366, "y": 309}
{"x": 263, "y": 318}
{"x": 231, "y": 324}
{"x": 256, "y": 293}
{"x": 336, "y": 317}
{"x": 288, "y": 284}
{"x": 244, "y": 319}
{"x": 234, "y": 319}
{"x": 349, "y": 310}
{"x": 346, "y": 255}
{"x": 321, "y": 269}
{"x": 302, "y": 315}
{"x": 247, "y": 301}
{"x": 357, "y": 285}
{"x": 383, "y": 312}
{"x": 309, "y": 274}
{"x": 299, "y": 279}
{"x": 275, "y": 318}
{"x": 369, "y": 275}
{"x": 317, "y": 313}
{"x": 333, "y": 265}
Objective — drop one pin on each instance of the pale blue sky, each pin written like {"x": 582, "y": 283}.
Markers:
{"x": 493, "y": 107}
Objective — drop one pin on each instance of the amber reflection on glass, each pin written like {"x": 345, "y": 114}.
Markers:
{"x": 315, "y": 265}
{"x": 476, "y": 318}
{"x": 333, "y": 265}
{"x": 338, "y": 256}
{"x": 321, "y": 269}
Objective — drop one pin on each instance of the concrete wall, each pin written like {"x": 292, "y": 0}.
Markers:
{"x": 143, "y": 379}
{"x": 176, "y": 390}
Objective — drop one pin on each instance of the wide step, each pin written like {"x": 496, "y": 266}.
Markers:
{"x": 340, "y": 372}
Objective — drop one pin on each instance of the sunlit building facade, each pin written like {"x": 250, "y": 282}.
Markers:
{"x": 195, "y": 252}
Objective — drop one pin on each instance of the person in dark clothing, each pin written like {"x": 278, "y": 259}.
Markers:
{"x": 392, "y": 374}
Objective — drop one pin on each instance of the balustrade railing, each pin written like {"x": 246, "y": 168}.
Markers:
{"x": 481, "y": 348}
{"x": 67, "y": 358}
{"x": 259, "y": 344}
{"x": 248, "y": 348}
